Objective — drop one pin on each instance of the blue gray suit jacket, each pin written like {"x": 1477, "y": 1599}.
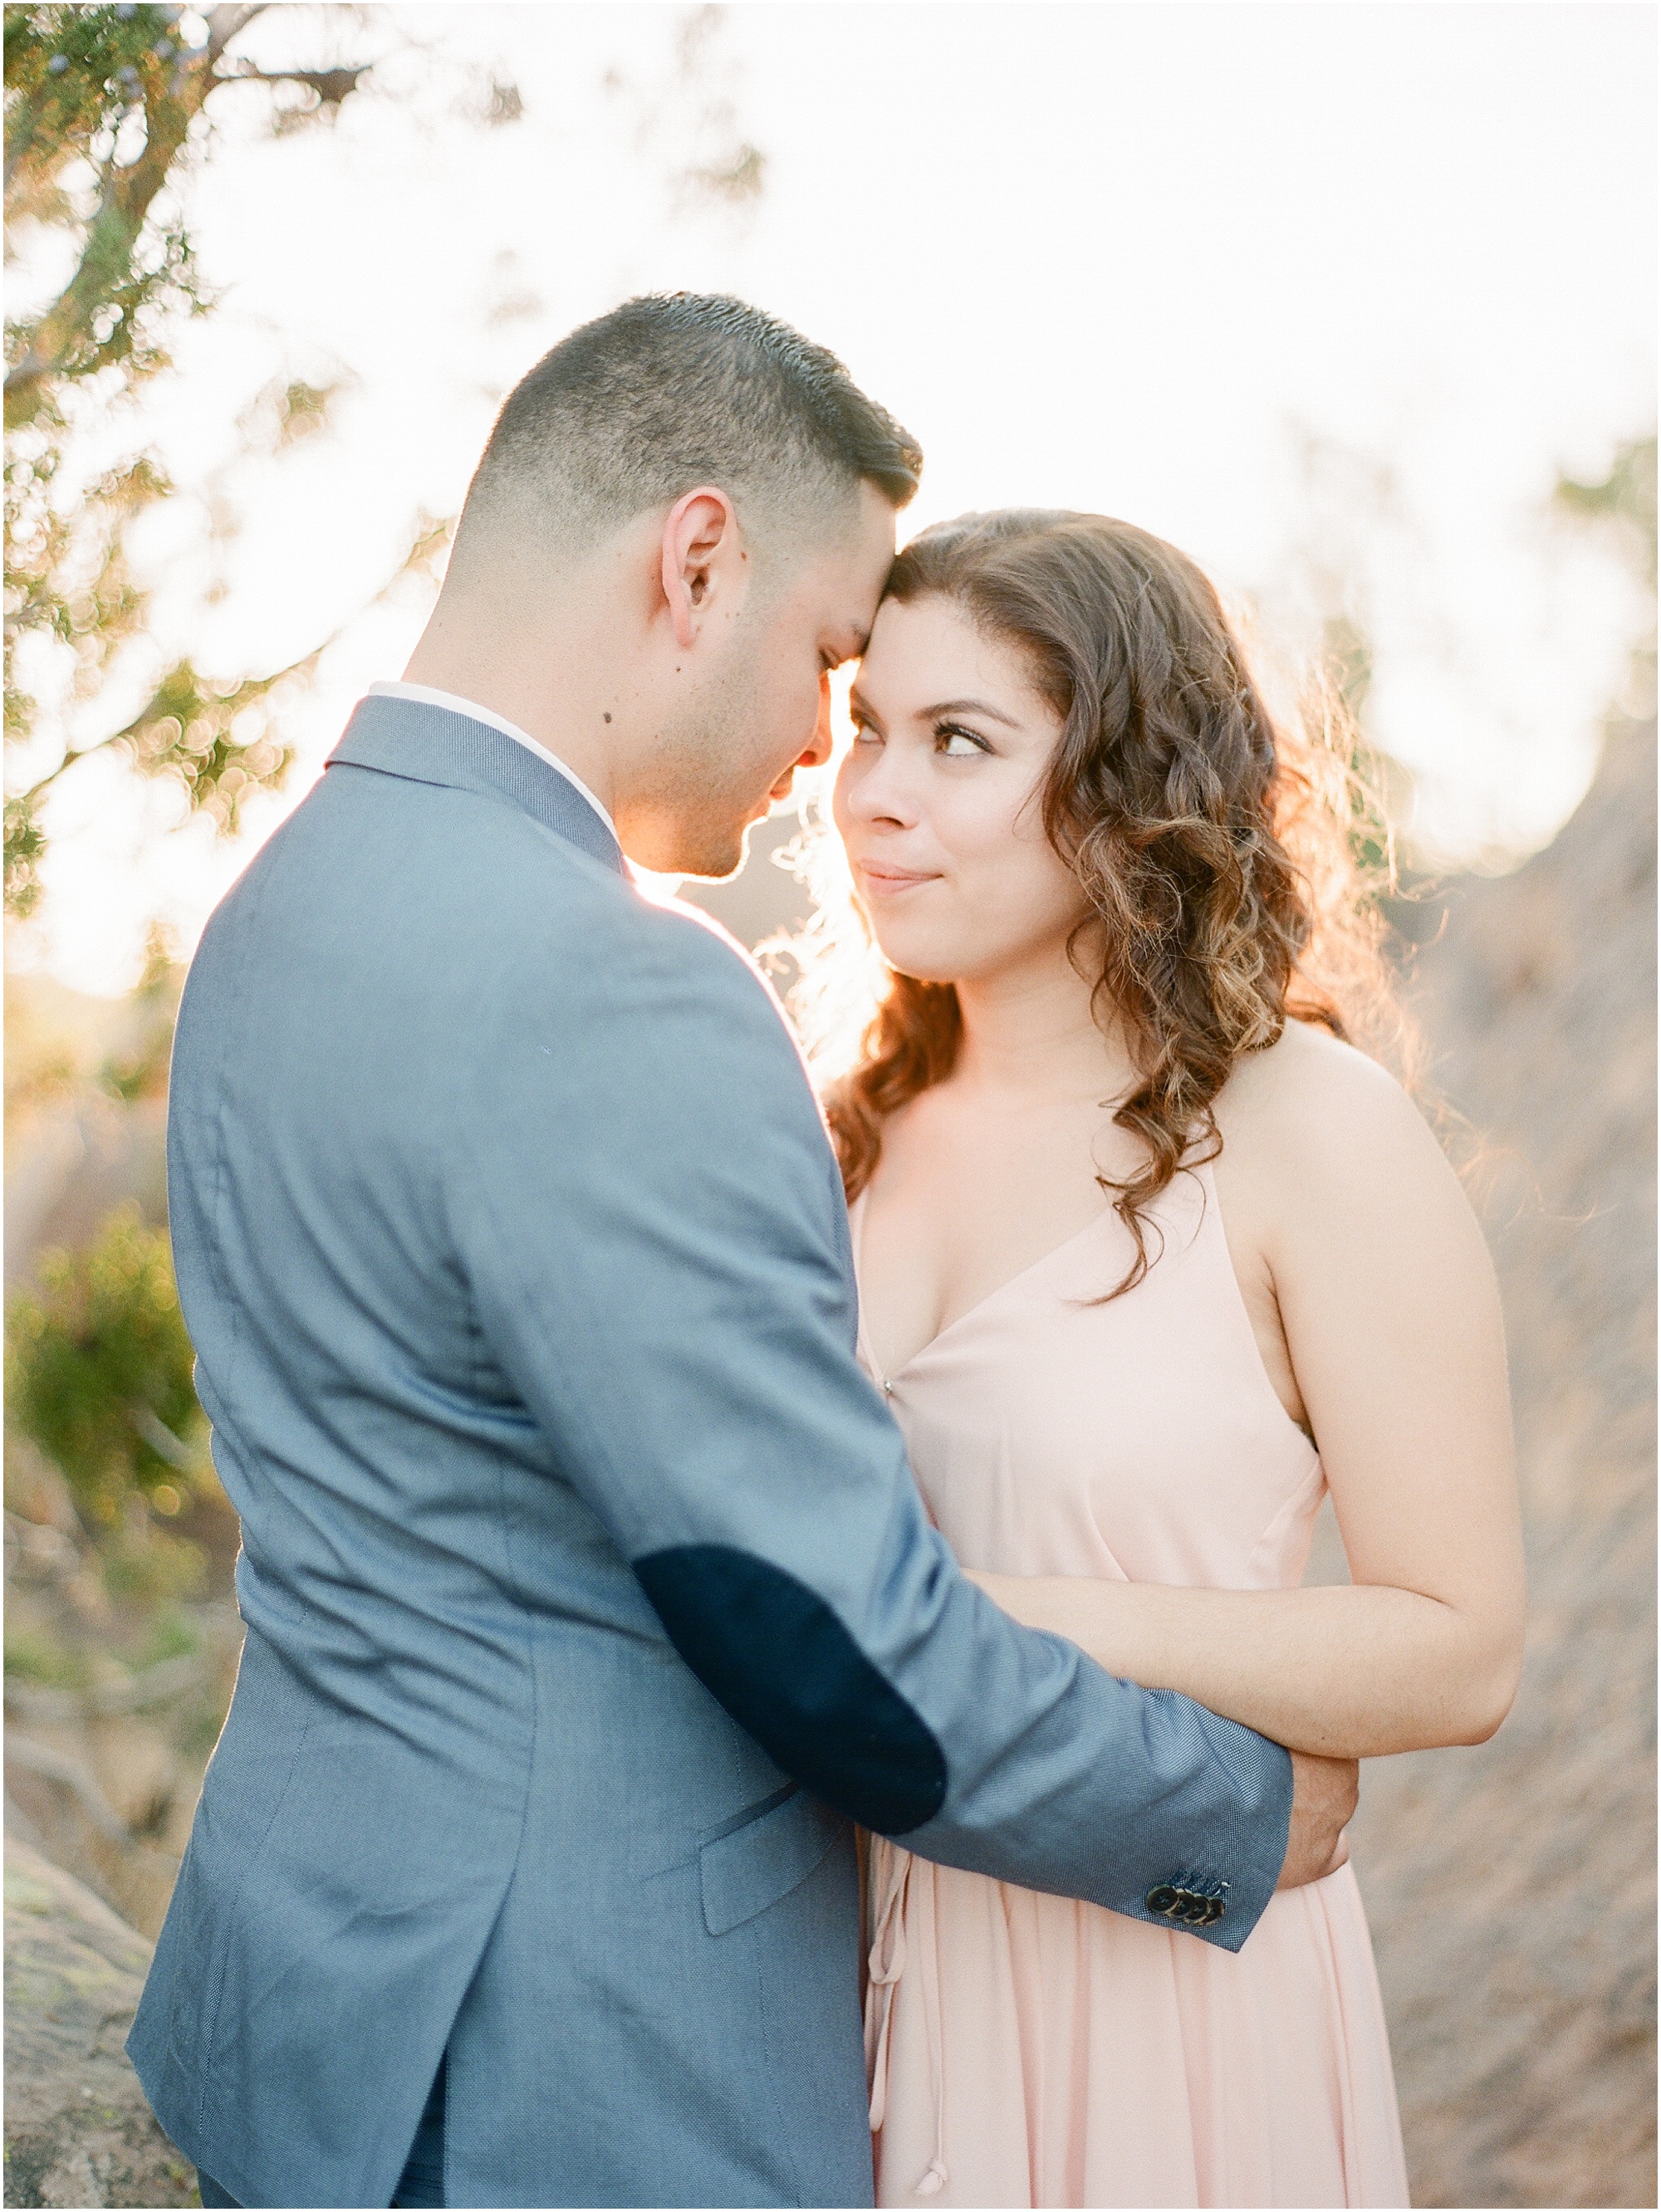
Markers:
{"x": 589, "y": 1598}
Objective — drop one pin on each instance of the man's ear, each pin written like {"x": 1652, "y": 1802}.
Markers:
{"x": 700, "y": 535}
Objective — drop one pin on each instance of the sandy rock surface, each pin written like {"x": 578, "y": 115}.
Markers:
{"x": 78, "y": 2130}
{"x": 1511, "y": 1888}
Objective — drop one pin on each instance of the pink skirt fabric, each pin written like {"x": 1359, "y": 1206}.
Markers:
{"x": 1026, "y": 2050}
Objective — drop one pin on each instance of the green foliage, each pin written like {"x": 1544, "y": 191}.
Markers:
{"x": 67, "y": 581}
{"x": 104, "y": 117}
{"x": 143, "y": 1567}
{"x": 79, "y": 81}
{"x": 100, "y": 1378}
{"x": 211, "y": 737}
{"x": 26, "y": 842}
{"x": 1623, "y": 505}
{"x": 1625, "y": 498}
{"x": 1346, "y": 655}
{"x": 1346, "y": 665}
{"x": 100, "y": 103}
{"x": 33, "y": 1654}
{"x": 141, "y": 1070}
{"x": 1372, "y": 831}
{"x": 169, "y": 1636}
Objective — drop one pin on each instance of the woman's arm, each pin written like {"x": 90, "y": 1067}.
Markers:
{"x": 1338, "y": 1192}
{"x": 1350, "y": 1674}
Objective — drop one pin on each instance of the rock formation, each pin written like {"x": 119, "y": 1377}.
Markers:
{"x": 1511, "y": 1886}
{"x": 78, "y": 2130}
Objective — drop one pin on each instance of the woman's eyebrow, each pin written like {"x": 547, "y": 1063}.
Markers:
{"x": 859, "y": 704}
{"x": 968, "y": 706}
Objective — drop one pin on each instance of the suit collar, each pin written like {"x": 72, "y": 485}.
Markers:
{"x": 426, "y": 744}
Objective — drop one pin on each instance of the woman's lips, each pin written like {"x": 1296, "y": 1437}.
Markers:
{"x": 887, "y": 882}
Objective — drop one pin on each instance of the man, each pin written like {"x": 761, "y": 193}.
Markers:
{"x": 588, "y": 1597}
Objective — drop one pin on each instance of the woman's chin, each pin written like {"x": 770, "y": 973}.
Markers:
{"x": 922, "y": 964}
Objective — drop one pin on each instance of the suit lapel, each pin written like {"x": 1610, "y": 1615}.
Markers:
{"x": 425, "y": 744}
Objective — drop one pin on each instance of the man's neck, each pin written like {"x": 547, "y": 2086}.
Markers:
{"x": 551, "y": 692}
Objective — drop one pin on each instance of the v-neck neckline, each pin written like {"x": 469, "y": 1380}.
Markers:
{"x": 888, "y": 1376}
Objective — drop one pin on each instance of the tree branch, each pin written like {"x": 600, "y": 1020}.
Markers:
{"x": 331, "y": 86}
{"x": 224, "y": 23}
{"x": 171, "y": 105}
{"x": 106, "y": 259}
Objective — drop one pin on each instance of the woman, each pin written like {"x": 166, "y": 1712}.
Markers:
{"x": 1150, "y": 1259}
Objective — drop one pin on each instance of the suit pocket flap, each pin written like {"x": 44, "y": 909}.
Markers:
{"x": 743, "y": 1873}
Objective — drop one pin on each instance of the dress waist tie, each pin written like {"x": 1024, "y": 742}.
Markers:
{"x": 897, "y": 1877}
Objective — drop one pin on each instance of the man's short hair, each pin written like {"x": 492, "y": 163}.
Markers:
{"x": 678, "y": 389}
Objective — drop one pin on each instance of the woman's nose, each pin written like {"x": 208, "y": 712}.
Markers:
{"x": 874, "y": 787}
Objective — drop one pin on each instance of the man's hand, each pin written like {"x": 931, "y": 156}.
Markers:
{"x": 1324, "y": 1797}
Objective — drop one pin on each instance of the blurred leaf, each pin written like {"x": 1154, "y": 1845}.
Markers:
{"x": 1346, "y": 651}
{"x": 169, "y": 1636}
{"x": 145, "y": 1566}
{"x": 288, "y": 413}
{"x": 94, "y": 1357}
{"x": 35, "y": 1655}
{"x": 102, "y": 105}
{"x": 738, "y": 178}
{"x": 1626, "y": 497}
{"x": 211, "y": 738}
{"x": 25, "y": 843}
{"x": 141, "y": 1071}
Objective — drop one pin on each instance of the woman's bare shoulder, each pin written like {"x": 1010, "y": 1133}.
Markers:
{"x": 1309, "y": 1106}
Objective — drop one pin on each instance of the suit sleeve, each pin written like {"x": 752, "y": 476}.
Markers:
{"x": 649, "y": 1216}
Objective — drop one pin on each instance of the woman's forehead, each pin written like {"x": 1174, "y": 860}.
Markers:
{"x": 919, "y": 645}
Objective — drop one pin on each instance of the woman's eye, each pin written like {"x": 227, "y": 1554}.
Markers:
{"x": 865, "y": 735}
{"x": 957, "y": 744}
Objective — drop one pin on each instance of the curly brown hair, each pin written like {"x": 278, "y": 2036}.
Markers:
{"x": 1214, "y": 847}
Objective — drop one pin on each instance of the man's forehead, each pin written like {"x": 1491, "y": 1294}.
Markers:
{"x": 878, "y": 525}
{"x": 856, "y": 570}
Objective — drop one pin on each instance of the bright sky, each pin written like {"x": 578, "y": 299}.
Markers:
{"x": 1334, "y": 286}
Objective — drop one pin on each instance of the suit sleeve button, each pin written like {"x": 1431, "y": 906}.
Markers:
{"x": 1162, "y": 1897}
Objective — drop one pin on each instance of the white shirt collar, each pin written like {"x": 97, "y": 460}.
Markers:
{"x": 425, "y": 695}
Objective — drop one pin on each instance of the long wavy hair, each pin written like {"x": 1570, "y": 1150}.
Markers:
{"x": 1217, "y": 849}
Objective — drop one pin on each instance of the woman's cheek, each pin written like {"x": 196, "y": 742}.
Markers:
{"x": 839, "y": 789}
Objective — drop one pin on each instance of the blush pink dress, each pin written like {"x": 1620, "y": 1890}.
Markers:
{"x": 1026, "y": 2050}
